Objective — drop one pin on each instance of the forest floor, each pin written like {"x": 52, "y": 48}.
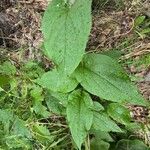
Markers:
{"x": 123, "y": 29}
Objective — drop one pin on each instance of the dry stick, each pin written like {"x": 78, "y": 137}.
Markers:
{"x": 26, "y": 2}
{"x": 143, "y": 50}
{"x": 135, "y": 54}
{"x": 3, "y": 37}
{"x": 129, "y": 47}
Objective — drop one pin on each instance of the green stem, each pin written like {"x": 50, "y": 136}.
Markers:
{"x": 87, "y": 143}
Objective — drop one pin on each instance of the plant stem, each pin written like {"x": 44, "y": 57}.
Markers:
{"x": 87, "y": 143}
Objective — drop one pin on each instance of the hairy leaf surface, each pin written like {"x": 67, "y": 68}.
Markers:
{"x": 57, "y": 82}
{"x": 79, "y": 115}
{"x": 102, "y": 122}
{"x": 54, "y": 105}
{"x": 104, "y": 77}
{"x": 66, "y": 29}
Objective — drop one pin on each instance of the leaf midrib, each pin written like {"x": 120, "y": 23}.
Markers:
{"x": 89, "y": 70}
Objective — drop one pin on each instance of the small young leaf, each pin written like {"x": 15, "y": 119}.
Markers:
{"x": 16, "y": 142}
{"x": 97, "y": 106}
{"x": 54, "y": 105}
{"x": 42, "y": 130}
{"x": 101, "y": 135}
{"x": 38, "y": 97}
{"x": 20, "y": 129}
{"x": 66, "y": 30}
{"x": 57, "y": 82}
{"x": 6, "y": 116}
{"x": 32, "y": 70}
{"x": 139, "y": 20}
{"x": 102, "y": 122}
{"x": 18, "y": 126}
{"x": 119, "y": 113}
{"x": 104, "y": 77}
{"x": 36, "y": 93}
{"x": 79, "y": 115}
{"x": 7, "y": 68}
{"x": 145, "y": 31}
{"x": 42, "y": 133}
{"x": 40, "y": 109}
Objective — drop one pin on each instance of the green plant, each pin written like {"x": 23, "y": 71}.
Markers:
{"x": 78, "y": 75}
{"x": 142, "y": 26}
{"x": 80, "y": 103}
{"x": 25, "y": 120}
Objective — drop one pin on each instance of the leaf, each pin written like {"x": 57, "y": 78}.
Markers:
{"x": 54, "y": 105}
{"x": 7, "y": 68}
{"x": 57, "y": 82}
{"x": 119, "y": 113}
{"x": 79, "y": 115}
{"x": 97, "y": 106}
{"x": 97, "y": 144}
{"x": 32, "y": 70}
{"x": 20, "y": 129}
{"x": 38, "y": 97}
{"x": 145, "y": 31}
{"x": 125, "y": 144}
{"x": 102, "y": 122}
{"x": 42, "y": 130}
{"x": 62, "y": 97}
{"x": 102, "y": 135}
{"x": 4, "y": 80}
{"x": 66, "y": 31}
{"x": 18, "y": 126}
{"x": 36, "y": 93}
{"x": 139, "y": 20}
{"x": 42, "y": 134}
{"x": 5, "y": 117}
{"x": 40, "y": 109}
{"x": 104, "y": 77}
{"x": 115, "y": 54}
{"x": 15, "y": 142}
{"x": 134, "y": 127}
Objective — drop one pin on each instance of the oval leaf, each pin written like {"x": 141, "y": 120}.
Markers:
{"x": 79, "y": 115}
{"x": 66, "y": 29}
{"x": 104, "y": 77}
{"x": 57, "y": 82}
{"x": 139, "y": 20}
